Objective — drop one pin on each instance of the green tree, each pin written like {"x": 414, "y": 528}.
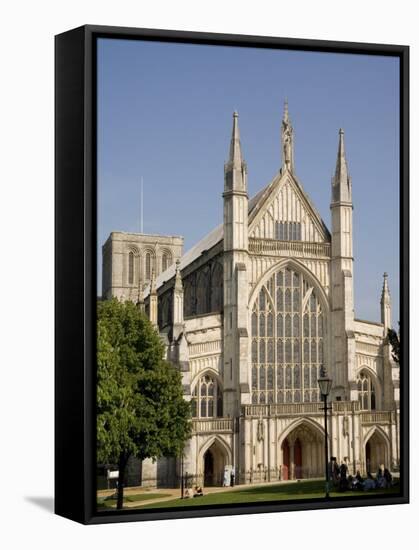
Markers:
{"x": 394, "y": 339}
{"x": 140, "y": 407}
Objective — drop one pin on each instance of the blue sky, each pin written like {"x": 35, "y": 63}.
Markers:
{"x": 165, "y": 114}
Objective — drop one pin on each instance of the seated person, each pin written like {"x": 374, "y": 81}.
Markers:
{"x": 198, "y": 491}
{"x": 369, "y": 483}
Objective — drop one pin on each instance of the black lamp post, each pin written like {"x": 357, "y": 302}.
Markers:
{"x": 325, "y": 385}
{"x": 182, "y": 485}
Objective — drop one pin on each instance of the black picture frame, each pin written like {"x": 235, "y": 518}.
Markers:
{"x": 75, "y": 269}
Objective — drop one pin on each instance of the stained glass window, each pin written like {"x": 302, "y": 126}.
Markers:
{"x": 207, "y": 400}
{"x": 287, "y": 340}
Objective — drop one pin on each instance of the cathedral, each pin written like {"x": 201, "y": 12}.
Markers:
{"x": 249, "y": 316}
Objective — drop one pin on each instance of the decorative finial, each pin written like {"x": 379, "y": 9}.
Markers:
{"x": 386, "y": 291}
{"x": 286, "y": 115}
{"x": 385, "y": 303}
{"x": 178, "y": 276}
{"x": 287, "y": 140}
{"x": 235, "y": 155}
{"x": 341, "y": 180}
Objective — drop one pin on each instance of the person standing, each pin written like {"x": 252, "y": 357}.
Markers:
{"x": 226, "y": 478}
{"x": 343, "y": 484}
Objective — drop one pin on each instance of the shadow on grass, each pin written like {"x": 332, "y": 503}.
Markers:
{"x": 295, "y": 488}
{"x": 110, "y": 501}
{"x": 271, "y": 493}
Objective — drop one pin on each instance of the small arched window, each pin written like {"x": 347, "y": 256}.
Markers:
{"x": 148, "y": 266}
{"x": 131, "y": 268}
{"x": 366, "y": 392}
{"x": 165, "y": 261}
{"x": 207, "y": 400}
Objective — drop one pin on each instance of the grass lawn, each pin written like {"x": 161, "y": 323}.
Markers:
{"x": 267, "y": 493}
{"x": 108, "y": 502}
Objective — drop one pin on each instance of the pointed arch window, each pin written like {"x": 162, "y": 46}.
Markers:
{"x": 166, "y": 261}
{"x": 287, "y": 340}
{"x": 207, "y": 399}
{"x": 366, "y": 392}
{"x": 147, "y": 266}
{"x": 131, "y": 268}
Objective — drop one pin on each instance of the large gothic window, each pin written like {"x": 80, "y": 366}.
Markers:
{"x": 207, "y": 400}
{"x": 287, "y": 326}
{"x": 366, "y": 392}
{"x": 216, "y": 294}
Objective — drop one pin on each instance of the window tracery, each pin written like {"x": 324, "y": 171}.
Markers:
{"x": 166, "y": 261}
{"x": 366, "y": 392}
{"x": 207, "y": 400}
{"x": 148, "y": 266}
{"x": 287, "y": 340}
{"x": 288, "y": 231}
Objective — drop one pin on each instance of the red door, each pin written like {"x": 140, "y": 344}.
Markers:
{"x": 298, "y": 460}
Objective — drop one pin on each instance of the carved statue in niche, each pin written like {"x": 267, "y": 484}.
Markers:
{"x": 260, "y": 430}
{"x": 345, "y": 426}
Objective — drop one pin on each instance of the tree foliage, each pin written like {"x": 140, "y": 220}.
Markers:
{"x": 140, "y": 407}
{"x": 394, "y": 339}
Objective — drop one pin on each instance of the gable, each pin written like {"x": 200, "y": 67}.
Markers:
{"x": 284, "y": 200}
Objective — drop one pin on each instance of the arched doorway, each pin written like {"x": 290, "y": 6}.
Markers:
{"x": 208, "y": 468}
{"x": 376, "y": 452}
{"x": 302, "y": 453}
{"x": 214, "y": 460}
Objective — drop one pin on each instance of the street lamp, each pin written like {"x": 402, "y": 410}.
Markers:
{"x": 325, "y": 385}
{"x": 182, "y": 485}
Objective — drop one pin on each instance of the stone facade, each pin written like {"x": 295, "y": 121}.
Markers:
{"x": 130, "y": 259}
{"x": 250, "y": 315}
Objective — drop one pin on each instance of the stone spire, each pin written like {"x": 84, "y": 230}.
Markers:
{"x": 235, "y": 156}
{"x": 235, "y": 169}
{"x": 235, "y": 285}
{"x": 287, "y": 141}
{"x": 343, "y": 363}
{"x": 341, "y": 181}
{"x": 385, "y": 303}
